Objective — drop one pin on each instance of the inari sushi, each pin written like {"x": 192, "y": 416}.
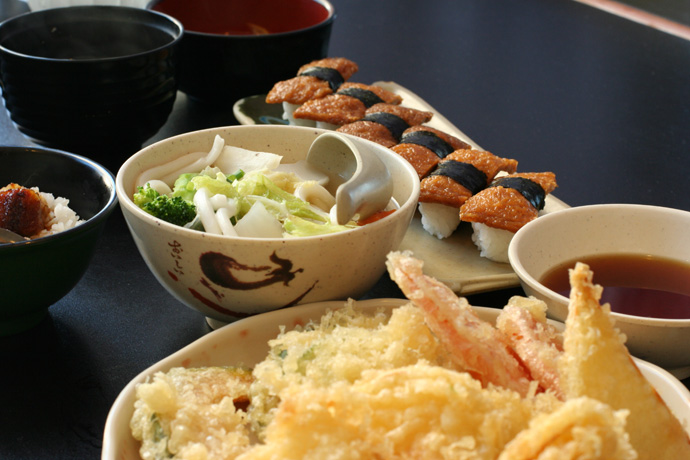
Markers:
{"x": 314, "y": 80}
{"x": 455, "y": 179}
{"x": 424, "y": 147}
{"x": 347, "y": 105}
{"x": 501, "y": 209}
{"x": 385, "y": 123}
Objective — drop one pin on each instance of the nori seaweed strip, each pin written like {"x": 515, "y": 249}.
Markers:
{"x": 429, "y": 140}
{"x": 465, "y": 174}
{"x": 332, "y": 76}
{"x": 367, "y": 97}
{"x": 533, "y": 192}
{"x": 393, "y": 123}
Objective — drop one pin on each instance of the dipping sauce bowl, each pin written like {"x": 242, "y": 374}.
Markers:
{"x": 641, "y": 235}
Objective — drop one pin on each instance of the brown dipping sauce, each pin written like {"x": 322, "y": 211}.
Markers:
{"x": 633, "y": 284}
{"x": 244, "y": 17}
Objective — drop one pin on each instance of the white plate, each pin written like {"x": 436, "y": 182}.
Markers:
{"x": 246, "y": 342}
{"x": 454, "y": 260}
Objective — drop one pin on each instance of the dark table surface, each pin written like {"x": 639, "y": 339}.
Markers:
{"x": 602, "y": 101}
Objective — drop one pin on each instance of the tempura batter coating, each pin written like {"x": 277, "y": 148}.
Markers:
{"x": 193, "y": 413}
{"x": 506, "y": 208}
{"x": 597, "y": 364}
{"x": 476, "y": 346}
{"x": 537, "y": 343}
{"x": 582, "y": 428}
{"x": 418, "y": 412}
{"x": 427, "y": 381}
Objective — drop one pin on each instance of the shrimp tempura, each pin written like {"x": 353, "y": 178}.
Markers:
{"x": 536, "y": 342}
{"x": 473, "y": 344}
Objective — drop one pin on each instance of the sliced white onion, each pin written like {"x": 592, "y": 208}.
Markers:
{"x": 223, "y": 219}
{"x": 234, "y": 158}
{"x": 259, "y": 223}
{"x": 205, "y": 211}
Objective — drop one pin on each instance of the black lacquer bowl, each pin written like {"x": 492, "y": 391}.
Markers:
{"x": 35, "y": 274}
{"x": 234, "y": 49}
{"x": 93, "y": 80}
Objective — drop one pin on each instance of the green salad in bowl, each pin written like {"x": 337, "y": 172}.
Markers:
{"x": 240, "y": 192}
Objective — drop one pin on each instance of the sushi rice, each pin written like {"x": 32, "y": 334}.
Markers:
{"x": 438, "y": 219}
{"x": 288, "y": 111}
{"x": 492, "y": 242}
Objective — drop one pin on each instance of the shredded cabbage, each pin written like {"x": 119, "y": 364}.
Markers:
{"x": 260, "y": 201}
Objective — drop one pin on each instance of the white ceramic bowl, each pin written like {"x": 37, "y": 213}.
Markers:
{"x": 560, "y": 237}
{"x": 287, "y": 271}
{"x": 246, "y": 342}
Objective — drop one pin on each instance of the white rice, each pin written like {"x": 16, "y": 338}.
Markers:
{"x": 492, "y": 242}
{"x": 326, "y": 125}
{"x": 289, "y": 109}
{"x": 439, "y": 219}
{"x": 61, "y": 217}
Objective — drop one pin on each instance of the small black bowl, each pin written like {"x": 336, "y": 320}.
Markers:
{"x": 35, "y": 274}
{"x": 93, "y": 80}
{"x": 234, "y": 49}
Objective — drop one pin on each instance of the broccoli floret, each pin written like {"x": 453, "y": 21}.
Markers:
{"x": 170, "y": 209}
{"x": 145, "y": 195}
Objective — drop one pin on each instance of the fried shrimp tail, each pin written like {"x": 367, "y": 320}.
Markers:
{"x": 473, "y": 344}
{"x": 536, "y": 342}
